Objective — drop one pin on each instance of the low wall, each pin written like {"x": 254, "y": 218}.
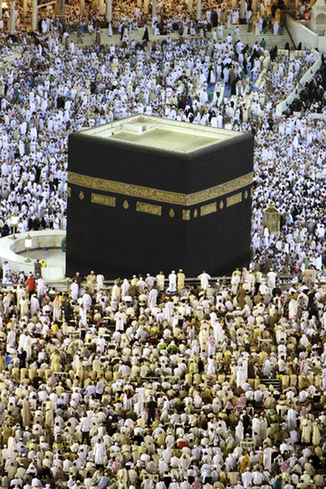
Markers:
{"x": 301, "y": 33}
{"x": 282, "y": 106}
{"x": 260, "y": 84}
{"x": 322, "y": 44}
{"x": 10, "y": 248}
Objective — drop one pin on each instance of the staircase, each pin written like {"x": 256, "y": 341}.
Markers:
{"x": 246, "y": 37}
{"x": 135, "y": 35}
{"x": 250, "y": 37}
{"x": 7, "y": 60}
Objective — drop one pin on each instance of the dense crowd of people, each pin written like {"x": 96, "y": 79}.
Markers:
{"x": 312, "y": 96}
{"x": 174, "y": 79}
{"x": 153, "y": 383}
{"x": 156, "y": 384}
{"x": 55, "y": 88}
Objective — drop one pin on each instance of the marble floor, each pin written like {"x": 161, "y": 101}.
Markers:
{"x": 54, "y": 257}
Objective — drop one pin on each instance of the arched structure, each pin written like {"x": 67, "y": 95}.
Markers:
{"x": 317, "y": 22}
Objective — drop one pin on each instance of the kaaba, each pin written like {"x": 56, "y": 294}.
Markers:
{"x": 147, "y": 194}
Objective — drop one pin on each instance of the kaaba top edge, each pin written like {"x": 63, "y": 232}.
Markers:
{"x": 163, "y": 134}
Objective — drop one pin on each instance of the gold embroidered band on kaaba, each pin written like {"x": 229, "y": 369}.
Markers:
{"x": 160, "y": 195}
{"x": 103, "y": 200}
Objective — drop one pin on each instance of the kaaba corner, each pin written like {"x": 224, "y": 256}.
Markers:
{"x": 147, "y": 194}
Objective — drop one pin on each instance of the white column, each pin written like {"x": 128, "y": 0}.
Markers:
{"x": 109, "y": 10}
{"x": 101, "y": 7}
{"x": 24, "y": 8}
{"x": 34, "y": 16}
{"x": 12, "y": 17}
{"x": 189, "y": 5}
{"x": 82, "y": 7}
{"x": 242, "y": 12}
{"x": 146, "y": 6}
{"x": 139, "y": 2}
{"x": 61, "y": 5}
{"x": 198, "y": 13}
{"x": 154, "y": 7}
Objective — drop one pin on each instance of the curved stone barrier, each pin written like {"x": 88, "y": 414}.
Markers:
{"x": 10, "y": 249}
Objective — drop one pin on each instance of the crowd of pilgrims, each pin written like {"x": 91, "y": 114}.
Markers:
{"x": 152, "y": 383}
{"x": 156, "y": 384}
{"x": 312, "y": 95}
{"x": 170, "y": 15}
{"x": 52, "y": 90}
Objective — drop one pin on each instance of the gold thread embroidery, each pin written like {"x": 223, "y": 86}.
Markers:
{"x": 103, "y": 200}
{"x": 208, "y": 209}
{"x": 221, "y": 204}
{"x": 69, "y": 192}
{"x": 156, "y": 210}
{"x": 246, "y": 195}
{"x": 171, "y": 213}
{"x": 185, "y": 215}
{"x": 195, "y": 213}
{"x": 234, "y": 199}
{"x": 125, "y": 204}
{"x": 81, "y": 195}
{"x": 160, "y": 195}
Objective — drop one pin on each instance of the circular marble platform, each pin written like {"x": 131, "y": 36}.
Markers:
{"x": 45, "y": 244}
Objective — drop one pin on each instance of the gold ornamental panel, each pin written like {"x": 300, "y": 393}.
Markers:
{"x": 185, "y": 214}
{"x": 103, "y": 200}
{"x": 234, "y": 199}
{"x": 208, "y": 209}
{"x": 155, "y": 210}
